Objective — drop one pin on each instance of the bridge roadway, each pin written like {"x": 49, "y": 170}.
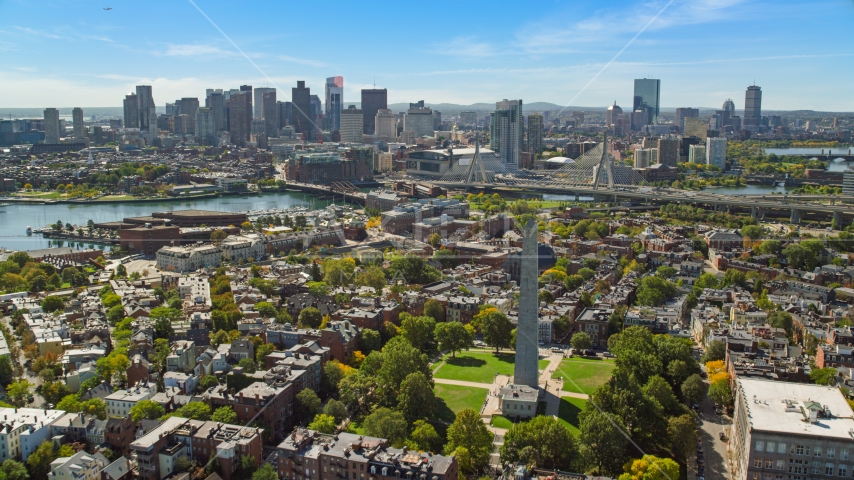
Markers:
{"x": 797, "y": 205}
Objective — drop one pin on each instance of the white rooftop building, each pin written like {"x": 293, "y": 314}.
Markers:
{"x": 22, "y": 430}
{"x": 791, "y": 430}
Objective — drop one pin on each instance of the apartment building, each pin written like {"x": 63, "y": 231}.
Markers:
{"x": 790, "y": 430}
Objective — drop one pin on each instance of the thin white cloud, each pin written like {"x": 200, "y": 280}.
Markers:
{"x": 37, "y": 33}
{"x": 301, "y": 61}
{"x": 26, "y": 69}
{"x": 465, "y": 46}
{"x": 551, "y": 35}
{"x": 193, "y": 50}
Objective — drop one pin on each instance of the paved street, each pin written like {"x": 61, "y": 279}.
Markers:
{"x": 714, "y": 450}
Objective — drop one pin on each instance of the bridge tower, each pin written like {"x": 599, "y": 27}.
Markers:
{"x": 476, "y": 165}
{"x": 606, "y": 162}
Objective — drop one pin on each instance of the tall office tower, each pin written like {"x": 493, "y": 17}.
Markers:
{"x": 578, "y": 116}
{"x": 334, "y": 102}
{"x": 373, "y": 99}
{"x": 696, "y": 127}
{"x": 468, "y": 119}
{"x": 189, "y": 106}
{"x": 716, "y": 152}
{"x": 258, "y": 106}
{"x": 51, "y": 126}
{"x": 77, "y": 122}
{"x": 153, "y": 129}
{"x": 146, "y": 105}
{"x": 240, "y": 118}
{"x": 247, "y": 89}
{"x": 697, "y": 154}
{"x": 285, "y": 112}
{"x": 507, "y": 132}
{"x": 613, "y": 114}
{"x": 351, "y": 125}
{"x": 535, "y": 134}
{"x": 729, "y": 106}
{"x": 269, "y": 113}
{"x": 131, "y": 110}
{"x": 525, "y": 371}
{"x": 643, "y": 157}
{"x": 752, "y": 106}
{"x": 385, "y": 124}
{"x": 682, "y": 114}
{"x": 668, "y": 151}
{"x": 418, "y": 119}
{"x": 206, "y": 126}
{"x": 216, "y": 102}
{"x": 437, "y": 120}
{"x": 648, "y": 98}
{"x": 301, "y": 99}
{"x": 316, "y": 112}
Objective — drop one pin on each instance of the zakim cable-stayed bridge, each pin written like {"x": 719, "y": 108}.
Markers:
{"x": 595, "y": 173}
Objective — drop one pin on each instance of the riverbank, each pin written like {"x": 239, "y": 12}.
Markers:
{"x": 125, "y": 199}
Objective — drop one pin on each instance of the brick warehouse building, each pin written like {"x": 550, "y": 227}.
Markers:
{"x": 325, "y": 168}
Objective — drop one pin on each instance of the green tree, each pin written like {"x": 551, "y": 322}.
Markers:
{"x": 19, "y": 392}
{"x": 683, "y": 436}
{"x": 603, "y": 443}
{"x": 339, "y": 271}
{"x": 424, "y": 437}
{"x": 52, "y": 303}
{"x": 418, "y": 330}
{"x": 413, "y": 270}
{"x": 373, "y": 277}
{"x": 262, "y": 351}
{"x": 823, "y": 376}
{"x": 336, "y": 410}
{"x": 308, "y": 404}
{"x": 14, "y": 470}
{"x": 720, "y": 392}
{"x": 716, "y": 350}
{"x": 654, "y": 291}
{"x": 163, "y": 318}
{"x": 310, "y": 317}
{"x": 399, "y": 360}
{"x": 386, "y": 423}
{"x": 496, "y": 329}
{"x": 694, "y": 389}
{"x": 469, "y": 439}
{"x": 146, "y": 410}
{"x": 752, "y": 232}
{"x": 323, "y": 423}
{"x": 666, "y": 272}
{"x": 452, "y": 337}
{"x": 370, "y": 341}
{"x": 581, "y": 341}
{"x": 266, "y": 309}
{"x": 224, "y": 414}
{"x": 416, "y": 399}
{"x": 543, "y": 441}
{"x": 658, "y": 391}
{"x": 207, "y": 382}
{"x": 38, "y": 464}
{"x": 265, "y": 472}
{"x": 780, "y": 319}
{"x": 433, "y": 308}
{"x": 194, "y": 411}
{"x": 651, "y": 467}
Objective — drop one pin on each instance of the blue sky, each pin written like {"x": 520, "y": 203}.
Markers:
{"x": 67, "y": 53}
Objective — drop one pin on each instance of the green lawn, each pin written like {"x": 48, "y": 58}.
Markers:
{"x": 453, "y": 398}
{"x": 582, "y": 375}
{"x": 479, "y": 367}
{"x": 569, "y": 410}
{"x": 40, "y": 195}
{"x": 500, "y": 421}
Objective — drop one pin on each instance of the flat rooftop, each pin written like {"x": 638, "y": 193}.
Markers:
{"x": 783, "y": 407}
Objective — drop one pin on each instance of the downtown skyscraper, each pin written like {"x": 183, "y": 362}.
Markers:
{"x": 131, "y": 110}
{"x": 77, "y": 122}
{"x": 647, "y": 98}
{"x": 258, "y": 95}
{"x": 507, "y": 131}
{"x": 146, "y": 105}
{"x": 373, "y": 100}
{"x": 753, "y": 106}
{"x": 334, "y": 102}
{"x": 51, "y": 126}
{"x": 240, "y": 118}
{"x": 301, "y": 100}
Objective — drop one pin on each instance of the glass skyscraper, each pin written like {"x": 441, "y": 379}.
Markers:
{"x": 648, "y": 98}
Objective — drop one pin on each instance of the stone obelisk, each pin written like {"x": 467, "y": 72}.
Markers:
{"x": 525, "y": 371}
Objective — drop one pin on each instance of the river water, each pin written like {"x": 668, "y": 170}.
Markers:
{"x": 15, "y": 218}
